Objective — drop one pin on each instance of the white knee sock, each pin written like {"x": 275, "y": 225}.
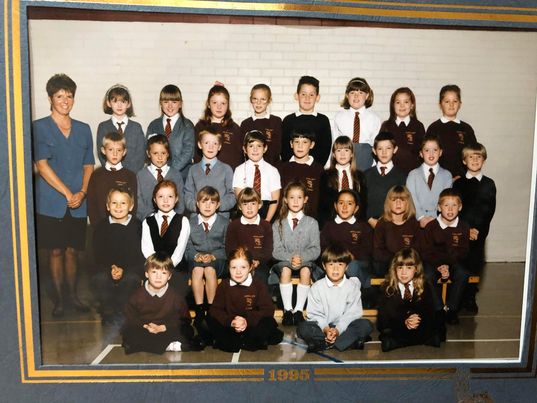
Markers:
{"x": 286, "y": 291}
{"x": 301, "y": 296}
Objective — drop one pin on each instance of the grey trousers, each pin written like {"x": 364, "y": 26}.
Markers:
{"x": 358, "y": 329}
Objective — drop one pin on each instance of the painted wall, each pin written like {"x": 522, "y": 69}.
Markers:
{"x": 496, "y": 71}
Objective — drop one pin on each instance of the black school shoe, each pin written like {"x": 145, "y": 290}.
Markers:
{"x": 288, "y": 319}
{"x": 359, "y": 344}
{"x": 196, "y": 344}
{"x": 389, "y": 343}
{"x": 316, "y": 346}
{"x": 470, "y": 306}
{"x": 298, "y": 317}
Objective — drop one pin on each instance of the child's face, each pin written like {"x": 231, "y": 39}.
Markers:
{"x": 158, "y": 154}
{"x": 307, "y": 97}
{"x": 61, "y": 102}
{"x": 449, "y": 208}
{"x": 119, "y": 106}
{"x": 239, "y": 269}
{"x": 114, "y": 151}
{"x": 250, "y": 209}
{"x": 474, "y": 162}
{"x": 450, "y": 105}
{"x": 301, "y": 147}
{"x": 207, "y": 207}
{"x": 343, "y": 155}
{"x": 295, "y": 200}
{"x": 402, "y": 105}
{"x": 431, "y": 153}
{"x": 357, "y": 98}
{"x": 170, "y": 108}
{"x": 157, "y": 278}
{"x": 346, "y": 206}
{"x": 385, "y": 151}
{"x": 209, "y": 145}
{"x": 405, "y": 273}
{"x": 260, "y": 101}
{"x": 335, "y": 271}
{"x": 166, "y": 199}
{"x": 398, "y": 205}
{"x": 119, "y": 206}
{"x": 255, "y": 150}
{"x": 218, "y": 105}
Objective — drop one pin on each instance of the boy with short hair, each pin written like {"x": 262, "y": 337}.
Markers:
{"x": 205, "y": 250}
{"x": 445, "y": 248}
{"x": 381, "y": 177}
{"x": 258, "y": 174}
{"x": 478, "y": 194}
{"x": 307, "y": 120}
{"x": 303, "y": 167}
{"x": 112, "y": 174}
{"x": 251, "y": 232}
{"x": 157, "y": 318}
{"x": 210, "y": 171}
{"x": 335, "y": 307}
{"x": 117, "y": 254}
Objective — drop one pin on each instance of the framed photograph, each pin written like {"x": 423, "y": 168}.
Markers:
{"x": 489, "y": 51}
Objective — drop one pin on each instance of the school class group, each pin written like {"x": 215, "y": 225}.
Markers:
{"x": 242, "y": 211}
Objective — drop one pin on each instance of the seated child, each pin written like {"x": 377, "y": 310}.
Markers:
{"x": 427, "y": 181}
{"x": 210, "y": 171}
{"x": 111, "y": 175}
{"x": 205, "y": 251}
{"x": 406, "y": 315}
{"x": 452, "y": 132}
{"x": 242, "y": 315}
{"x": 296, "y": 247}
{"x": 117, "y": 254}
{"x": 478, "y": 194}
{"x": 396, "y": 229}
{"x": 307, "y": 120}
{"x": 382, "y": 177}
{"x": 445, "y": 249}
{"x": 251, "y": 232}
{"x": 258, "y": 174}
{"x": 157, "y": 318}
{"x": 335, "y": 308}
{"x": 341, "y": 175}
{"x": 354, "y": 235}
{"x": 158, "y": 152}
{"x": 165, "y": 230}
{"x": 303, "y": 167}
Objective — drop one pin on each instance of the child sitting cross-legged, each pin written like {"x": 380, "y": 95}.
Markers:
{"x": 335, "y": 307}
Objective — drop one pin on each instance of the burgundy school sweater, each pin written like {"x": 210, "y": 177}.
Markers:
{"x": 272, "y": 129}
{"x": 357, "y": 238}
{"x": 257, "y": 238}
{"x": 389, "y": 238}
{"x": 408, "y": 140}
{"x": 445, "y": 246}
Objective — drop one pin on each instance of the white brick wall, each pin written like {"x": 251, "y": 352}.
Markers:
{"x": 496, "y": 71}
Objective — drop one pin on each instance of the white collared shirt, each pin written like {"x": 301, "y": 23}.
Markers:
{"x": 246, "y": 283}
{"x": 340, "y": 169}
{"x": 330, "y": 284}
{"x": 308, "y": 162}
{"x": 406, "y": 120}
{"x": 160, "y": 292}
{"x": 425, "y": 169}
{"x": 256, "y": 221}
{"x": 290, "y": 216}
{"x": 389, "y": 167}
{"x": 109, "y": 166}
{"x": 270, "y": 177}
{"x": 125, "y": 122}
{"x": 402, "y": 288}
{"x": 443, "y": 225}
{"x": 265, "y": 115}
{"x": 173, "y": 120}
{"x": 314, "y": 113}
{"x": 210, "y": 221}
{"x": 479, "y": 176}
{"x": 443, "y": 119}
{"x": 125, "y": 223}
{"x": 153, "y": 169}
{"x": 344, "y": 124}
{"x": 211, "y": 163}
{"x": 339, "y": 220}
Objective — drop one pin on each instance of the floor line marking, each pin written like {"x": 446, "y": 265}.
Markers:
{"x": 104, "y": 353}
{"x": 235, "y": 357}
{"x": 478, "y": 340}
{"x": 321, "y": 354}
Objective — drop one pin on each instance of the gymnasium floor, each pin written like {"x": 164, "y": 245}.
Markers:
{"x": 491, "y": 334}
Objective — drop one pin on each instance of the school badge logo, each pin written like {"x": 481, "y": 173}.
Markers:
{"x": 409, "y": 137}
{"x": 461, "y": 137}
{"x": 455, "y": 239}
{"x": 227, "y": 137}
{"x": 309, "y": 184}
{"x": 258, "y": 242}
{"x": 407, "y": 240}
{"x": 268, "y": 134}
{"x": 249, "y": 299}
{"x": 355, "y": 236}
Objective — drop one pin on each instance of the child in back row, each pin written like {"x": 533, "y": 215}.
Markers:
{"x": 205, "y": 251}
{"x": 306, "y": 120}
{"x": 453, "y": 133}
{"x": 296, "y": 247}
{"x": 478, "y": 194}
{"x": 303, "y": 167}
{"x": 335, "y": 308}
{"x": 178, "y": 130}
{"x": 110, "y": 175}
{"x": 407, "y": 130}
{"x": 210, "y": 171}
{"x": 380, "y": 178}
{"x": 242, "y": 315}
{"x": 118, "y": 103}
{"x": 341, "y": 175}
{"x": 158, "y": 152}
{"x": 357, "y": 121}
{"x": 258, "y": 174}
{"x": 252, "y": 232}
{"x": 262, "y": 120}
{"x": 427, "y": 181}
{"x": 217, "y": 115}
